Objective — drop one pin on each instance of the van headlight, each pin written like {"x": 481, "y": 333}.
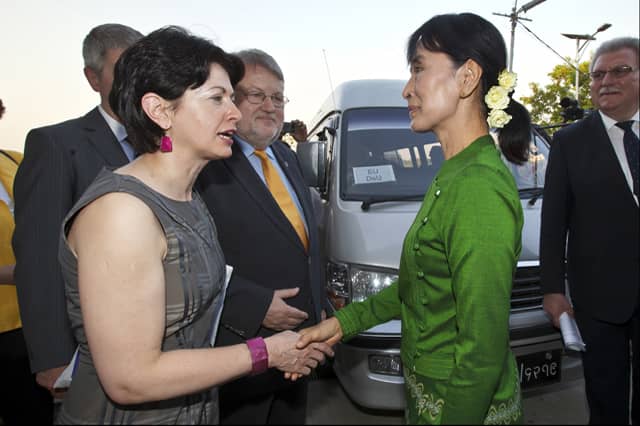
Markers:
{"x": 350, "y": 283}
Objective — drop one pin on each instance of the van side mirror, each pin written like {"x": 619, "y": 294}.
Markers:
{"x": 311, "y": 156}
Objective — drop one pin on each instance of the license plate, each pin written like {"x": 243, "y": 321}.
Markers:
{"x": 540, "y": 368}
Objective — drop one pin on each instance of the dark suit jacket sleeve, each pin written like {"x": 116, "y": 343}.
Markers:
{"x": 556, "y": 208}
{"x": 249, "y": 303}
{"x": 43, "y": 195}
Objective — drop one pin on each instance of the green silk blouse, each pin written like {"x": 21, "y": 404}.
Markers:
{"x": 453, "y": 291}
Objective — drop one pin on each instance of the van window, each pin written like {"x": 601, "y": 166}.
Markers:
{"x": 383, "y": 157}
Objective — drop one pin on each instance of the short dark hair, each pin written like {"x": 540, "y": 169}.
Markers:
{"x": 467, "y": 36}
{"x": 167, "y": 62}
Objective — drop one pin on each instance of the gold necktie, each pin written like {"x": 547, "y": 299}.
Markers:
{"x": 282, "y": 197}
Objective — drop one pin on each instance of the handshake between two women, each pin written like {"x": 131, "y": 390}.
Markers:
{"x": 314, "y": 342}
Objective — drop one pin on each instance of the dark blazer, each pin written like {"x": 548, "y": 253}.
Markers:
{"x": 60, "y": 161}
{"x": 587, "y": 198}
{"x": 266, "y": 253}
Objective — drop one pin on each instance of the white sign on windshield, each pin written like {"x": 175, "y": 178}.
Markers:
{"x": 374, "y": 174}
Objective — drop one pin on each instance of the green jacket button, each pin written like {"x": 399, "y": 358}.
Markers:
{"x": 416, "y": 246}
{"x": 425, "y": 220}
{"x": 420, "y": 274}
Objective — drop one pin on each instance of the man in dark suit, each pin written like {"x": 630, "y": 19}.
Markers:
{"x": 271, "y": 243}
{"x": 590, "y": 212}
{"x": 60, "y": 161}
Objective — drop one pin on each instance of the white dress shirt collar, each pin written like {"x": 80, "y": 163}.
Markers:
{"x": 610, "y": 122}
{"x": 117, "y": 129}
{"x": 248, "y": 149}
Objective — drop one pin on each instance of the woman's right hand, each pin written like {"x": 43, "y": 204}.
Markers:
{"x": 327, "y": 331}
{"x": 285, "y": 356}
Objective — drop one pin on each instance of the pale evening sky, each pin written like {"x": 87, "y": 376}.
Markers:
{"x": 41, "y": 79}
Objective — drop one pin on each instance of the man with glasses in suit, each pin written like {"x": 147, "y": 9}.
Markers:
{"x": 590, "y": 212}
{"x": 266, "y": 226}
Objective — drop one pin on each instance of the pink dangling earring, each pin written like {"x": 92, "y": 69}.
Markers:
{"x": 166, "y": 145}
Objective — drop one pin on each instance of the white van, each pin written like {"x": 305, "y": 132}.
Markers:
{"x": 371, "y": 172}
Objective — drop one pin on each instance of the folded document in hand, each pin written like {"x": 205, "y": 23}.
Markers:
{"x": 570, "y": 333}
{"x": 64, "y": 381}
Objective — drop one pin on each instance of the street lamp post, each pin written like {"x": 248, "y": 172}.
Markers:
{"x": 515, "y": 16}
{"x": 586, "y": 38}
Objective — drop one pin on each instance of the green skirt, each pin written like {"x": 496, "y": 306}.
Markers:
{"x": 425, "y": 401}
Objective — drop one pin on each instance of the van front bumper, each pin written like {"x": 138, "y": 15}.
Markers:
{"x": 386, "y": 391}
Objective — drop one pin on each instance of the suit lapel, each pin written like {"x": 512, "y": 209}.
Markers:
{"x": 243, "y": 171}
{"x": 600, "y": 136}
{"x": 102, "y": 139}
{"x": 607, "y": 154}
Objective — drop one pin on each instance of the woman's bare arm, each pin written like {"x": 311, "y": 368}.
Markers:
{"x": 120, "y": 246}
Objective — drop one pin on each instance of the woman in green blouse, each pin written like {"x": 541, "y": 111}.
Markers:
{"x": 460, "y": 254}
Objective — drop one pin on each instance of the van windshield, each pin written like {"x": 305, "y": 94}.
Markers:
{"x": 385, "y": 160}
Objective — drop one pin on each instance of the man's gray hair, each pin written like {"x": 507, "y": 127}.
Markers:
{"x": 253, "y": 57}
{"x": 615, "y": 44}
{"x": 104, "y": 37}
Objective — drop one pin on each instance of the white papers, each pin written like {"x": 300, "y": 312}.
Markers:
{"x": 570, "y": 333}
{"x": 64, "y": 381}
{"x": 227, "y": 278}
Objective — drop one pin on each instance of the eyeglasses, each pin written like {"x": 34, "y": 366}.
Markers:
{"x": 257, "y": 98}
{"x": 616, "y": 72}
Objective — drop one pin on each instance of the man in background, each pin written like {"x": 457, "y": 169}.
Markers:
{"x": 590, "y": 212}
{"x": 60, "y": 161}
{"x": 266, "y": 226}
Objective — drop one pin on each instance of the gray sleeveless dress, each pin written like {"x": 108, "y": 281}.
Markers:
{"x": 194, "y": 273}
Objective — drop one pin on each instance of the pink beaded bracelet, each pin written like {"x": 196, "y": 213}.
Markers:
{"x": 259, "y": 355}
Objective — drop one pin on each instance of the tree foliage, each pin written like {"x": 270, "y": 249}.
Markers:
{"x": 544, "y": 102}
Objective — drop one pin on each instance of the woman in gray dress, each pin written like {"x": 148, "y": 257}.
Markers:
{"x": 143, "y": 268}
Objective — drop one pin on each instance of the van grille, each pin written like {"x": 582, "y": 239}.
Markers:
{"x": 526, "y": 294}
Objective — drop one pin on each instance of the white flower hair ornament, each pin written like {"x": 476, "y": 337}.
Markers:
{"x": 497, "y": 99}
